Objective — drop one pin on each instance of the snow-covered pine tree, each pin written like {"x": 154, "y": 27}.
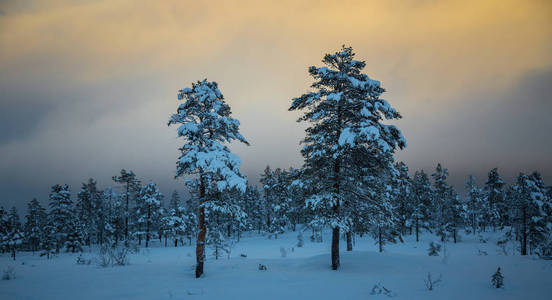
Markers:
{"x": 149, "y": 210}
{"x": 173, "y": 219}
{"x": 253, "y": 208}
{"x": 474, "y": 204}
{"x": 114, "y": 215}
{"x": 131, "y": 186}
{"x": 206, "y": 125}
{"x": 13, "y": 238}
{"x": 440, "y": 199}
{"x": 403, "y": 198}
{"x": 422, "y": 197}
{"x": 35, "y": 222}
{"x": 345, "y": 112}
{"x": 496, "y": 209}
{"x": 268, "y": 181}
{"x": 532, "y": 218}
{"x": 296, "y": 211}
{"x": 86, "y": 210}
{"x": 61, "y": 216}
{"x": 455, "y": 213}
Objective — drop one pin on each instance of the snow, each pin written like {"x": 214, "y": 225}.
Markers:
{"x": 166, "y": 273}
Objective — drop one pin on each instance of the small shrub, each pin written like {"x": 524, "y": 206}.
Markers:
{"x": 497, "y": 280}
{"x": 9, "y": 273}
{"x": 434, "y": 249}
{"x": 113, "y": 256}
{"x": 119, "y": 256}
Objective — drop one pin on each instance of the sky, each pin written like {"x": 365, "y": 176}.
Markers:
{"x": 87, "y": 87}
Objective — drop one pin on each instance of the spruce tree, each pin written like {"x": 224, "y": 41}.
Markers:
{"x": 206, "y": 125}
{"x": 345, "y": 113}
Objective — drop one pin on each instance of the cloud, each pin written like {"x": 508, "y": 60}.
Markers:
{"x": 87, "y": 86}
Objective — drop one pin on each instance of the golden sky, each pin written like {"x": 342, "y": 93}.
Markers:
{"x": 119, "y": 64}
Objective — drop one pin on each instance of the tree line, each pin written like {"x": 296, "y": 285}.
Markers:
{"x": 349, "y": 182}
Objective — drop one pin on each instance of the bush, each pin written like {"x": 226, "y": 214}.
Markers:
{"x": 431, "y": 283}
{"x": 9, "y": 273}
{"x": 113, "y": 256}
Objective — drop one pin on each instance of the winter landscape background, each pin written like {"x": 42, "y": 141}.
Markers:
{"x": 424, "y": 151}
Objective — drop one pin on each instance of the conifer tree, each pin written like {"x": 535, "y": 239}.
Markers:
{"x": 61, "y": 216}
{"x": 422, "y": 197}
{"x": 442, "y": 194}
{"x": 345, "y": 113}
{"x": 496, "y": 209}
{"x": 35, "y": 222}
{"x": 87, "y": 210}
{"x": 206, "y": 125}
{"x": 475, "y": 205}
{"x": 131, "y": 186}
{"x": 497, "y": 280}
{"x": 149, "y": 211}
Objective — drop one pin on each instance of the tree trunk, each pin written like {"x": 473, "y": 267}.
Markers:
{"x": 380, "y": 240}
{"x": 335, "y": 248}
{"x": 417, "y": 230}
{"x": 200, "y": 245}
{"x": 349, "y": 241}
{"x": 175, "y": 243}
{"x": 454, "y": 234}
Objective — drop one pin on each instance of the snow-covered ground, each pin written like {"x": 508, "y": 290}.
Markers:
{"x": 167, "y": 273}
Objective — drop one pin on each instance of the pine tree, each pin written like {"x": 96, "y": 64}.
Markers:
{"x": 496, "y": 209}
{"x": 268, "y": 181}
{"x": 131, "y": 187}
{"x": 475, "y": 205}
{"x": 403, "y": 198}
{"x": 345, "y": 112}
{"x": 422, "y": 197}
{"x": 34, "y": 225}
{"x": 149, "y": 211}
{"x": 441, "y": 192}
{"x": 205, "y": 125}
{"x": 532, "y": 218}
{"x": 61, "y": 214}
{"x": 87, "y": 200}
